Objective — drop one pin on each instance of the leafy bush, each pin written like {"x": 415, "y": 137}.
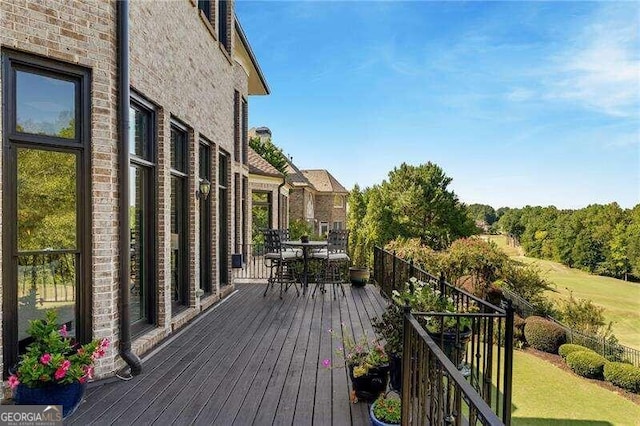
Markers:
{"x": 568, "y": 348}
{"x": 584, "y": 316}
{"x": 518, "y": 332}
{"x": 544, "y": 335}
{"x": 626, "y": 376}
{"x": 587, "y": 364}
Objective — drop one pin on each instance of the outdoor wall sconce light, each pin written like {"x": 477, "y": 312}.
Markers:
{"x": 203, "y": 189}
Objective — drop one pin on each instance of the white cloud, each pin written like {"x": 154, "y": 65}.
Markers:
{"x": 601, "y": 69}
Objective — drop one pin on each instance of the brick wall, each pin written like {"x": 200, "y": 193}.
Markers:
{"x": 176, "y": 64}
{"x": 296, "y": 204}
{"x": 83, "y": 33}
{"x": 326, "y": 212}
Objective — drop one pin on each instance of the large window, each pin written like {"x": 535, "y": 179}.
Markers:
{"x": 205, "y": 219}
{"x": 142, "y": 227}
{"x": 223, "y": 219}
{"x": 179, "y": 215}
{"x": 261, "y": 215}
{"x": 46, "y": 187}
{"x": 224, "y": 21}
{"x": 245, "y": 132}
{"x": 338, "y": 201}
{"x": 205, "y": 7}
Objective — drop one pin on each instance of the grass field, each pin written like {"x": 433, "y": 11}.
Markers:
{"x": 621, "y": 299}
{"x": 543, "y": 394}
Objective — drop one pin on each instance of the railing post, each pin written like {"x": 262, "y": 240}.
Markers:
{"x": 406, "y": 366}
{"x": 508, "y": 364}
{"x": 441, "y": 283}
{"x": 393, "y": 273}
{"x": 382, "y": 277}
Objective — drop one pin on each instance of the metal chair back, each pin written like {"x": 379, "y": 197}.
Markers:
{"x": 272, "y": 240}
{"x": 337, "y": 241}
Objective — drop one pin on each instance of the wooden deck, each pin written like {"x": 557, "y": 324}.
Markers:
{"x": 248, "y": 360}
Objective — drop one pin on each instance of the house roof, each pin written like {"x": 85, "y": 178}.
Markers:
{"x": 260, "y": 166}
{"x": 323, "y": 181}
{"x": 295, "y": 176}
{"x": 257, "y": 82}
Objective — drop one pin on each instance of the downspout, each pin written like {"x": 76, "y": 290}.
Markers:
{"x": 124, "y": 94}
{"x": 284, "y": 181}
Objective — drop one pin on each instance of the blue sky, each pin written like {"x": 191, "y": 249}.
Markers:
{"x": 520, "y": 103}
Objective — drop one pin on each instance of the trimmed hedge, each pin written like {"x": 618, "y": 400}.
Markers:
{"x": 568, "y": 348}
{"x": 587, "y": 364}
{"x": 626, "y": 376}
{"x": 544, "y": 335}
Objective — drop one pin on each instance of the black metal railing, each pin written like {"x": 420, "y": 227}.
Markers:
{"x": 610, "y": 350}
{"x": 482, "y": 348}
{"x": 253, "y": 264}
{"x": 434, "y": 392}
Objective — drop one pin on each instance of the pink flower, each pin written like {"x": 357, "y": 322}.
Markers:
{"x": 60, "y": 373}
{"x": 45, "y": 359}
{"x": 326, "y": 363}
{"x": 13, "y": 381}
{"x": 104, "y": 343}
{"x": 82, "y": 379}
{"x": 63, "y": 330}
{"x": 65, "y": 364}
{"x": 88, "y": 371}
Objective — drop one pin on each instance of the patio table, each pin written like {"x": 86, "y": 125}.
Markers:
{"x": 305, "y": 256}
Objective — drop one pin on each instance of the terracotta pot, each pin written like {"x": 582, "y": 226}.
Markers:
{"x": 359, "y": 276}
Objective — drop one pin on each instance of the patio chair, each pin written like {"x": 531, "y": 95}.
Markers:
{"x": 281, "y": 262}
{"x": 334, "y": 262}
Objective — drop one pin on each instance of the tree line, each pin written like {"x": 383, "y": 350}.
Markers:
{"x": 601, "y": 239}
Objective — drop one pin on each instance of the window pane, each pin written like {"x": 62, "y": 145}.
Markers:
{"x": 139, "y": 137}
{"x": 260, "y": 197}
{"x": 178, "y": 241}
{"x": 47, "y": 200}
{"x": 46, "y": 281}
{"x": 178, "y": 150}
{"x": 137, "y": 248}
{"x": 45, "y": 105}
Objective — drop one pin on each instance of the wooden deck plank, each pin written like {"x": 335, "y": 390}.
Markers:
{"x": 229, "y": 409}
{"x": 303, "y": 413}
{"x": 339, "y": 377}
{"x": 184, "y": 375}
{"x": 322, "y": 409}
{"x": 109, "y": 399}
{"x": 354, "y": 326}
{"x": 216, "y": 368}
{"x": 269, "y": 404}
{"x": 269, "y": 368}
{"x": 253, "y": 360}
{"x": 288, "y": 398}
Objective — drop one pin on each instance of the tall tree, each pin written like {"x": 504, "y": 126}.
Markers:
{"x": 271, "y": 153}
{"x": 422, "y": 205}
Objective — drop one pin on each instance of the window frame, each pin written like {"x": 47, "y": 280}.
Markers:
{"x": 12, "y": 61}
{"x": 149, "y": 165}
{"x": 340, "y": 204}
{"x": 204, "y": 210}
{"x": 183, "y": 243}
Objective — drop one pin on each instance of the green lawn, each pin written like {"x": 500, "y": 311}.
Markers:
{"x": 543, "y": 394}
{"x": 620, "y": 299}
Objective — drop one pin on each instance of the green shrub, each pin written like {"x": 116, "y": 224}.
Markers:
{"x": 544, "y": 335}
{"x": 626, "y": 376}
{"x": 587, "y": 364}
{"x": 568, "y": 348}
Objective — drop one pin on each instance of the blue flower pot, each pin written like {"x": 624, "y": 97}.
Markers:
{"x": 69, "y": 396}
{"x": 376, "y": 422}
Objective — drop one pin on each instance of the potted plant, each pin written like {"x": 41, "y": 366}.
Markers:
{"x": 54, "y": 370}
{"x": 368, "y": 366}
{"x": 451, "y": 333}
{"x": 359, "y": 276}
{"x": 389, "y": 326}
{"x": 385, "y": 411}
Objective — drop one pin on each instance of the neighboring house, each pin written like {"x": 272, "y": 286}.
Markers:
{"x": 269, "y": 201}
{"x": 96, "y": 216}
{"x": 330, "y": 204}
{"x": 317, "y": 198}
